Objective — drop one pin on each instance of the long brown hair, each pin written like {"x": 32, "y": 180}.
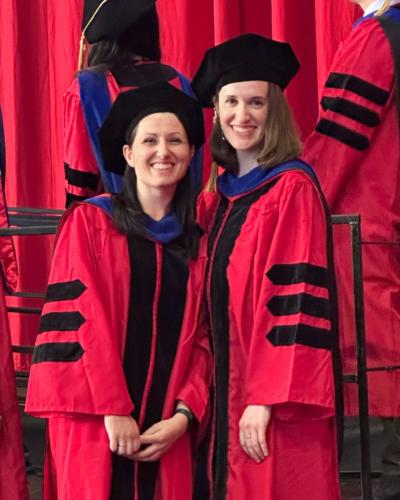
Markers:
{"x": 383, "y": 8}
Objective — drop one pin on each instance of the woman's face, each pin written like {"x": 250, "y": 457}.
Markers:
{"x": 160, "y": 152}
{"x": 242, "y": 108}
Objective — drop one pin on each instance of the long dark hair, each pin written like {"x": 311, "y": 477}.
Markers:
{"x": 129, "y": 217}
{"x": 109, "y": 54}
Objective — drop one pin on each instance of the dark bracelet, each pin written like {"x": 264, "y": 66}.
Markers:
{"x": 188, "y": 414}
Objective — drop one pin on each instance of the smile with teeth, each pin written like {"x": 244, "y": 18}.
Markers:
{"x": 243, "y": 129}
{"x": 162, "y": 165}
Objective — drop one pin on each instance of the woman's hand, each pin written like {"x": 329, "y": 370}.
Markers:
{"x": 253, "y": 431}
{"x": 161, "y": 436}
{"x": 123, "y": 433}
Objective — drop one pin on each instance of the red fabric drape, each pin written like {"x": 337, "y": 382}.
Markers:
{"x": 38, "y": 56}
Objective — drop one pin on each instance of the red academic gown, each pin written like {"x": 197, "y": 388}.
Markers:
{"x": 118, "y": 312}
{"x": 355, "y": 150}
{"x": 13, "y": 484}
{"x": 269, "y": 304}
{"x": 82, "y": 176}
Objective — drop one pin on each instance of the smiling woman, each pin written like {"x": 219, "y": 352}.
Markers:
{"x": 121, "y": 367}
{"x": 270, "y": 289}
{"x": 159, "y": 152}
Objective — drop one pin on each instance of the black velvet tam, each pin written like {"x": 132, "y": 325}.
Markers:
{"x": 113, "y": 18}
{"x": 246, "y": 57}
{"x": 130, "y": 107}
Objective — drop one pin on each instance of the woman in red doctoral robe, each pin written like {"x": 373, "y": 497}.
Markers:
{"x": 121, "y": 362}
{"x": 125, "y": 54}
{"x": 269, "y": 288}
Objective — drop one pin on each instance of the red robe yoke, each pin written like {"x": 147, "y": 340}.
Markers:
{"x": 269, "y": 301}
{"x": 355, "y": 150}
{"x": 79, "y": 370}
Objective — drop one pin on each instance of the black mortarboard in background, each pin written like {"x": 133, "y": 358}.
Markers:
{"x": 246, "y": 57}
{"x": 133, "y": 23}
{"x": 131, "y": 106}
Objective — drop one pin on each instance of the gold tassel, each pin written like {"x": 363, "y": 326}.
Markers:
{"x": 384, "y": 7}
{"x": 82, "y": 43}
{"x": 211, "y": 186}
{"x": 82, "y": 50}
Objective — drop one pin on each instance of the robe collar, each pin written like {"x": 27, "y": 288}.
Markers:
{"x": 370, "y": 11}
{"x": 164, "y": 230}
{"x": 230, "y": 185}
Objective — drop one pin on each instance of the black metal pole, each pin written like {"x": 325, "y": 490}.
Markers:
{"x": 362, "y": 376}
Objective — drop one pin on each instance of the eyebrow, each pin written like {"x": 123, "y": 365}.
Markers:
{"x": 252, "y": 97}
{"x": 177, "y": 132}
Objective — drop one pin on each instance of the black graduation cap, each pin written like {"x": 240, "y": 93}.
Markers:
{"x": 246, "y": 57}
{"x": 131, "y": 106}
{"x": 113, "y": 18}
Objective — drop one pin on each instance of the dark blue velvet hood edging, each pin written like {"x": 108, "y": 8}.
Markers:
{"x": 163, "y": 231}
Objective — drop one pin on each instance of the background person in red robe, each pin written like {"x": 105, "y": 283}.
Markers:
{"x": 125, "y": 54}
{"x": 13, "y": 485}
{"x": 356, "y": 152}
{"x": 269, "y": 288}
{"x": 122, "y": 357}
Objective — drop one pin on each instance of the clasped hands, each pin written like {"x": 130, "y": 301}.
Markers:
{"x": 126, "y": 440}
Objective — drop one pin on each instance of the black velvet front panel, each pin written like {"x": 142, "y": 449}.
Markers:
{"x": 219, "y": 294}
{"x": 142, "y": 254}
{"x": 170, "y": 311}
{"x": 173, "y": 276}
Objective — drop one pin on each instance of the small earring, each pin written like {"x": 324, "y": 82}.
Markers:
{"x": 222, "y": 136}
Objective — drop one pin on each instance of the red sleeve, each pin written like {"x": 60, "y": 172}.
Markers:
{"x": 82, "y": 178}
{"x": 356, "y": 99}
{"x": 77, "y": 362}
{"x": 196, "y": 387}
{"x": 292, "y": 309}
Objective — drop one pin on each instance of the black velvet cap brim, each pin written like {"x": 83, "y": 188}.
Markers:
{"x": 130, "y": 107}
{"x": 244, "y": 58}
{"x": 113, "y": 18}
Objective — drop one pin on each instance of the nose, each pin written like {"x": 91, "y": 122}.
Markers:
{"x": 242, "y": 113}
{"x": 163, "y": 149}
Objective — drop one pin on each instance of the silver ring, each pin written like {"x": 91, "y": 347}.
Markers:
{"x": 248, "y": 436}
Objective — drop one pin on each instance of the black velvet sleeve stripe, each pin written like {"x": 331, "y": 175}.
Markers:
{"x": 290, "y": 274}
{"x": 58, "y": 352}
{"x": 61, "y": 321}
{"x": 351, "y": 110}
{"x": 81, "y": 179}
{"x": 306, "y": 335}
{"x": 342, "y": 134}
{"x": 360, "y": 87}
{"x": 70, "y": 198}
{"x": 67, "y": 290}
{"x": 283, "y": 305}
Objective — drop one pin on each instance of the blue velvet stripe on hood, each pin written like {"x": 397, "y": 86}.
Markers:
{"x": 231, "y": 185}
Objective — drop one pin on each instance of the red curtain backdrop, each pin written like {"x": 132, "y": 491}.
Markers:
{"x": 38, "y": 56}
